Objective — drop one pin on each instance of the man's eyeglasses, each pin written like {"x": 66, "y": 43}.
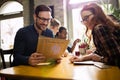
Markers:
{"x": 44, "y": 19}
{"x": 86, "y": 18}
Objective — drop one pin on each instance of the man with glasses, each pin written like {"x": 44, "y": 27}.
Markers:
{"x": 26, "y": 38}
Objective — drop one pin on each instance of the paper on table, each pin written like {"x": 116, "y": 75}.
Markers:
{"x": 97, "y": 64}
{"x": 101, "y": 65}
{"x": 46, "y": 63}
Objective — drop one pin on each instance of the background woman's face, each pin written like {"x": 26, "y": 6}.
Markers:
{"x": 87, "y": 18}
{"x": 63, "y": 34}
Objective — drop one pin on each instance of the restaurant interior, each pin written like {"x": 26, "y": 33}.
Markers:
{"x": 15, "y": 14}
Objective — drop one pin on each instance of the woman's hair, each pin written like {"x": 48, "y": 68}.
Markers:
{"x": 113, "y": 17}
{"x": 61, "y": 29}
{"x": 54, "y": 22}
{"x": 99, "y": 16}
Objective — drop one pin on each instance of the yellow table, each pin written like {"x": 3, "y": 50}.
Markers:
{"x": 63, "y": 71}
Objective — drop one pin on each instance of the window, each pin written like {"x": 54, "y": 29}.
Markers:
{"x": 79, "y": 28}
{"x": 11, "y": 20}
{"x": 74, "y": 20}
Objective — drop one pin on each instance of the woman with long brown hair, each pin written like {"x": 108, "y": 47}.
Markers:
{"x": 105, "y": 33}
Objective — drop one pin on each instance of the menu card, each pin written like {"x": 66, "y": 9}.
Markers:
{"x": 52, "y": 48}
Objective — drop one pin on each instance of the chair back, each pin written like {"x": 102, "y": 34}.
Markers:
{"x": 3, "y": 59}
{"x": 3, "y": 53}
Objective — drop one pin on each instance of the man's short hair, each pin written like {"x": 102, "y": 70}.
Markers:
{"x": 40, "y": 8}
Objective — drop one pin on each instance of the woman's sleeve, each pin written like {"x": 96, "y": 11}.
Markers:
{"x": 106, "y": 44}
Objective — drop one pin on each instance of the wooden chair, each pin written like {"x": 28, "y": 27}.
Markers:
{"x": 3, "y": 59}
{"x": 3, "y": 52}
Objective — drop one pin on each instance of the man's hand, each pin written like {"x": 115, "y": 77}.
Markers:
{"x": 36, "y": 58}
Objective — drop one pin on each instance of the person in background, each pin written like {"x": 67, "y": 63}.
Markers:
{"x": 54, "y": 25}
{"x": 105, "y": 33}
{"x": 26, "y": 38}
{"x": 62, "y": 34}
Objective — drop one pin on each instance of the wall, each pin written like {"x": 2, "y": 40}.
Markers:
{"x": 119, "y": 3}
{"x": 58, "y": 8}
{"x": 26, "y": 13}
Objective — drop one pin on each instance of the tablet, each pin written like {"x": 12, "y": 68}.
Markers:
{"x": 84, "y": 63}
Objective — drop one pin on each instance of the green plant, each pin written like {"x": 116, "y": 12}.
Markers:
{"x": 110, "y": 9}
{"x": 116, "y": 13}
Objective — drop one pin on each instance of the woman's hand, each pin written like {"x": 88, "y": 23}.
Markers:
{"x": 90, "y": 56}
{"x": 96, "y": 57}
{"x": 75, "y": 58}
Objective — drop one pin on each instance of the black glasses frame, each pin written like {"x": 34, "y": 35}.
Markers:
{"x": 86, "y": 18}
{"x": 44, "y": 19}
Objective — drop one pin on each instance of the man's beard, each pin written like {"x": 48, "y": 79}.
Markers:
{"x": 39, "y": 26}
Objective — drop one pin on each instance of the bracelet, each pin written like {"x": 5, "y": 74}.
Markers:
{"x": 102, "y": 59}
